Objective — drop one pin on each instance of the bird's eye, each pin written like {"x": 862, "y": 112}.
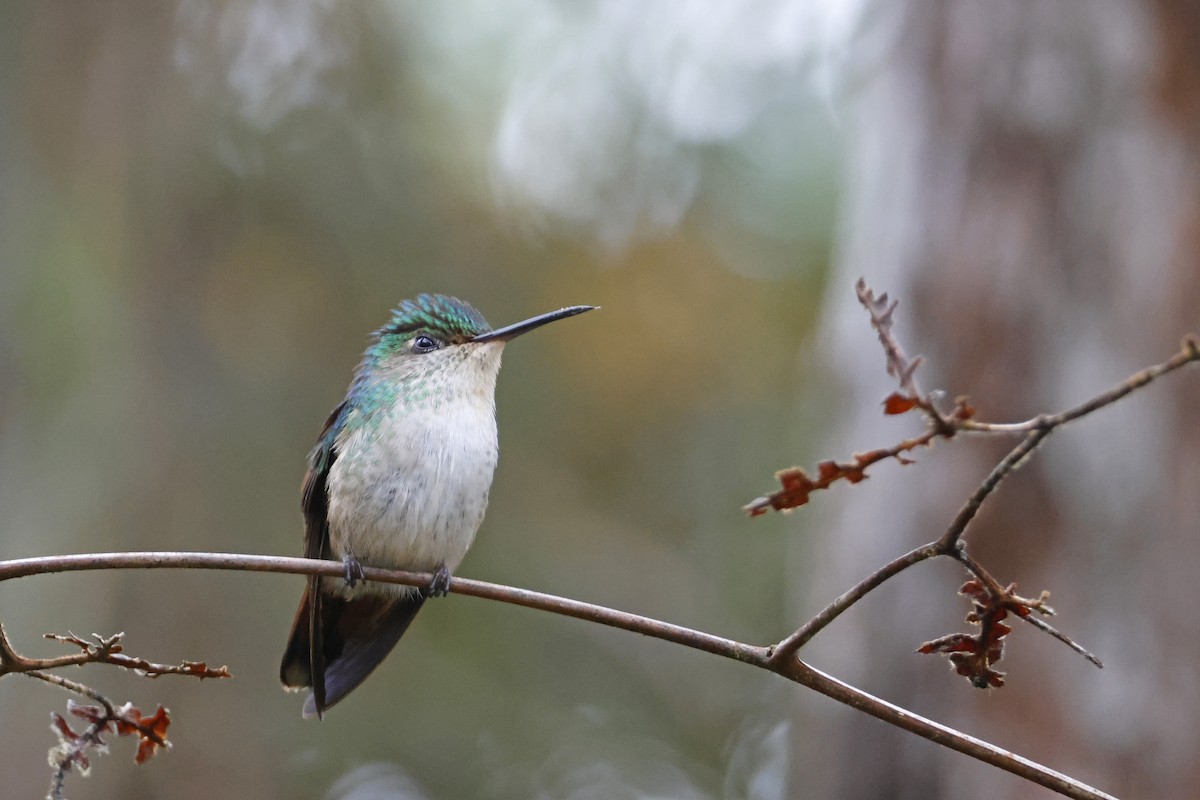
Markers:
{"x": 423, "y": 344}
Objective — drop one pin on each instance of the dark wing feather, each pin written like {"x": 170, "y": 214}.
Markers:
{"x": 314, "y": 498}
{"x": 304, "y": 659}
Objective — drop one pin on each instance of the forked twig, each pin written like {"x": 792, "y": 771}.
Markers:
{"x": 997, "y": 599}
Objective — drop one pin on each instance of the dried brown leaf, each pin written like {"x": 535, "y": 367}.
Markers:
{"x": 896, "y": 403}
{"x": 93, "y": 714}
{"x": 152, "y": 730}
{"x": 973, "y": 655}
{"x": 797, "y": 486}
{"x": 60, "y": 727}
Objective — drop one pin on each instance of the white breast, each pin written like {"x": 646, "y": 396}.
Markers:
{"x": 408, "y": 489}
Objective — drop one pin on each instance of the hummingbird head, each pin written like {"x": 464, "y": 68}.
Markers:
{"x": 445, "y": 343}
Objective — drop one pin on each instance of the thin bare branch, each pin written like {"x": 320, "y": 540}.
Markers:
{"x": 108, "y": 650}
{"x": 104, "y": 650}
{"x": 1046, "y": 627}
{"x": 787, "y": 649}
{"x": 1015, "y": 458}
{"x": 1188, "y": 354}
{"x": 9, "y": 658}
{"x": 947, "y": 737}
{"x": 793, "y": 669}
{"x": 73, "y": 686}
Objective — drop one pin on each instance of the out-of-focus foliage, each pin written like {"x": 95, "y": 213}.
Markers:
{"x": 205, "y": 207}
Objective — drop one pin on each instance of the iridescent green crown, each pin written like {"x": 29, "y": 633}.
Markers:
{"x": 437, "y": 313}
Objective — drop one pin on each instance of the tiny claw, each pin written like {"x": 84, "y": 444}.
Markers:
{"x": 354, "y": 570}
{"x": 439, "y": 586}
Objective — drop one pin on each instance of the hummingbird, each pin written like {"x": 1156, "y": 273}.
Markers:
{"x": 399, "y": 479}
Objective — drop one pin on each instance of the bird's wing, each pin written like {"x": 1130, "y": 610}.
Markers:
{"x": 304, "y": 660}
{"x": 314, "y": 498}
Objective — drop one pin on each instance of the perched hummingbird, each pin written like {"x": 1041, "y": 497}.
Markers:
{"x": 399, "y": 479}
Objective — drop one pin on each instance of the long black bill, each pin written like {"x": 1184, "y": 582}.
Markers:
{"x": 509, "y": 332}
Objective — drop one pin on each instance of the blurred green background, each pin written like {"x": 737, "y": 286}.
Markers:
{"x": 206, "y": 206}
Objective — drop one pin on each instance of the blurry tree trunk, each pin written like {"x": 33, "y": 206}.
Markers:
{"x": 1026, "y": 181}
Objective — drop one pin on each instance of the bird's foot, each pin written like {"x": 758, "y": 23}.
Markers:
{"x": 354, "y": 570}
{"x": 439, "y": 586}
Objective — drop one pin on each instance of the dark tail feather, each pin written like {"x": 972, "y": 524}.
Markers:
{"x": 359, "y": 634}
{"x": 295, "y": 670}
{"x": 352, "y": 637}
